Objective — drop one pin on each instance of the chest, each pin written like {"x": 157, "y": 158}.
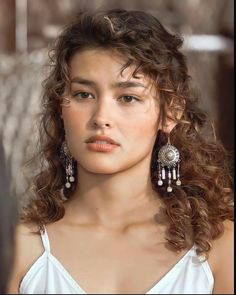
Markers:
{"x": 114, "y": 264}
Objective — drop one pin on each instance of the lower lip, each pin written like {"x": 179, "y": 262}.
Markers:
{"x": 104, "y": 148}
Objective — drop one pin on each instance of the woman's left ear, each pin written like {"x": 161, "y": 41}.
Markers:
{"x": 172, "y": 120}
{"x": 169, "y": 126}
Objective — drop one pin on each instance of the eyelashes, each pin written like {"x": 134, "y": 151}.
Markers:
{"x": 83, "y": 95}
{"x": 129, "y": 99}
{"x": 124, "y": 99}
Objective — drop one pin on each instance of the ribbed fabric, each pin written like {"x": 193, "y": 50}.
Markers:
{"x": 48, "y": 276}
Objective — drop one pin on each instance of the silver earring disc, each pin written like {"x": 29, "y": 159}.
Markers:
{"x": 168, "y": 155}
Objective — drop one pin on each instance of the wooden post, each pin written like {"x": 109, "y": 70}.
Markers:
{"x": 7, "y": 26}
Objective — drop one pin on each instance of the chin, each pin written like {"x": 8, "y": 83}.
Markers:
{"x": 106, "y": 165}
{"x": 101, "y": 169}
{"x": 100, "y": 166}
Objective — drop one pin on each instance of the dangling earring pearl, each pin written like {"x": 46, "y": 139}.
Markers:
{"x": 168, "y": 159}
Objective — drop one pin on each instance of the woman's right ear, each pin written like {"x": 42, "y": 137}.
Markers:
{"x": 65, "y": 102}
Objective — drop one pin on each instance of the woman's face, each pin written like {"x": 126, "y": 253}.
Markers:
{"x": 111, "y": 120}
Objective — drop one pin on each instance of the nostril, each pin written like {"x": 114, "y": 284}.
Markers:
{"x": 101, "y": 125}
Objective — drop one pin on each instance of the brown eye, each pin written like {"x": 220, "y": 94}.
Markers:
{"x": 83, "y": 95}
{"x": 128, "y": 99}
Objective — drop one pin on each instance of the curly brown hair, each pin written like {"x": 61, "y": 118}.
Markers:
{"x": 196, "y": 209}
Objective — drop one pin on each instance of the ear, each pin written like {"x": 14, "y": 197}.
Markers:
{"x": 65, "y": 103}
{"x": 169, "y": 126}
{"x": 172, "y": 119}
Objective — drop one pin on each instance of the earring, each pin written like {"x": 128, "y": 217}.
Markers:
{"x": 68, "y": 164}
{"x": 168, "y": 165}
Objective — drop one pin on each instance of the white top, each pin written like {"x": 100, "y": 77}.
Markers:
{"x": 48, "y": 276}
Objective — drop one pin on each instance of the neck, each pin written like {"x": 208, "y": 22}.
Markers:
{"x": 115, "y": 199}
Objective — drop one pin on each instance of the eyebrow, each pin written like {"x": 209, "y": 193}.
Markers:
{"x": 123, "y": 84}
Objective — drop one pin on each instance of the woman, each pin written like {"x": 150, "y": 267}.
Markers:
{"x": 131, "y": 197}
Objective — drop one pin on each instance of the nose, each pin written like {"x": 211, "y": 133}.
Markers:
{"x": 101, "y": 118}
{"x": 100, "y": 125}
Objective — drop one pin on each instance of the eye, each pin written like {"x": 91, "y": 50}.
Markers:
{"x": 128, "y": 99}
{"x": 83, "y": 95}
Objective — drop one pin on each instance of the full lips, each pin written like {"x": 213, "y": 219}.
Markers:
{"x": 102, "y": 147}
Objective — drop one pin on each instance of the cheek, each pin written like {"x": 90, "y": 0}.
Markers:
{"x": 73, "y": 119}
{"x": 141, "y": 127}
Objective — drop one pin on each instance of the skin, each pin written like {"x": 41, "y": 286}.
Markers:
{"x": 126, "y": 119}
{"x": 112, "y": 211}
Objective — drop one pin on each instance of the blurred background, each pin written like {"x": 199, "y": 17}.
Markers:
{"x": 29, "y": 27}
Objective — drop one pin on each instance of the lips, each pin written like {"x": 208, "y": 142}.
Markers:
{"x": 101, "y": 143}
{"x": 101, "y": 139}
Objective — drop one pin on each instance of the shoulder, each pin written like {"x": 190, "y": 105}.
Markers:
{"x": 28, "y": 247}
{"x": 223, "y": 245}
{"x": 221, "y": 260}
{"x": 27, "y": 236}
{"x": 27, "y": 239}
{"x": 226, "y": 239}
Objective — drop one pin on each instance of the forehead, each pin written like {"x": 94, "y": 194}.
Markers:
{"x": 106, "y": 62}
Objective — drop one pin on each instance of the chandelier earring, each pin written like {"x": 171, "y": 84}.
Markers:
{"x": 68, "y": 164}
{"x": 168, "y": 165}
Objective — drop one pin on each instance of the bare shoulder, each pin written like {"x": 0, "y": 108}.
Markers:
{"x": 225, "y": 241}
{"x": 27, "y": 239}
{"x": 28, "y": 247}
{"x": 221, "y": 259}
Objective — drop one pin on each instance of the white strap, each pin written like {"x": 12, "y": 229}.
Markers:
{"x": 45, "y": 240}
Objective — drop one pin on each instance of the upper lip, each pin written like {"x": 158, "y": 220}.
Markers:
{"x": 101, "y": 138}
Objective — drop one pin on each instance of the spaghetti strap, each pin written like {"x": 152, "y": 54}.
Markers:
{"x": 45, "y": 240}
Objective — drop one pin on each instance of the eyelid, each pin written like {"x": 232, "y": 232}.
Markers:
{"x": 135, "y": 98}
{"x": 131, "y": 95}
{"x": 76, "y": 93}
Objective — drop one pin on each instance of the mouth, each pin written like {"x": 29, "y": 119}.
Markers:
{"x": 102, "y": 139}
{"x": 101, "y": 143}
